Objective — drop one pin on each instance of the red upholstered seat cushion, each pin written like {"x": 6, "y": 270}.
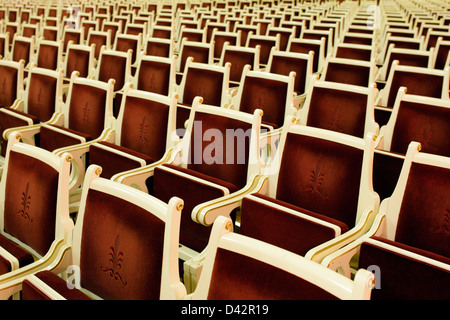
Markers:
{"x": 233, "y": 280}
{"x": 51, "y": 140}
{"x": 112, "y": 162}
{"x": 403, "y": 278}
{"x": 285, "y": 230}
{"x": 21, "y": 254}
{"x": 167, "y": 184}
{"x": 31, "y": 292}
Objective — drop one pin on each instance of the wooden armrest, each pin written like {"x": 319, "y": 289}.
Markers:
{"x": 205, "y": 213}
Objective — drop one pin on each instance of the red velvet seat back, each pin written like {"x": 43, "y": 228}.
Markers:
{"x": 424, "y": 215}
{"x": 154, "y": 77}
{"x": 266, "y": 47}
{"x": 205, "y": 83}
{"x": 42, "y": 96}
{"x": 71, "y": 36}
{"x": 441, "y": 56}
{"x": 238, "y": 60}
{"x": 47, "y": 57}
{"x": 158, "y": 49}
{"x": 427, "y": 124}
{"x": 306, "y": 48}
{"x": 223, "y": 155}
{"x": 406, "y": 59}
{"x": 268, "y": 95}
{"x": 124, "y": 44}
{"x": 421, "y": 84}
{"x": 51, "y": 34}
{"x": 21, "y": 51}
{"x": 321, "y": 176}
{"x": 87, "y": 109}
{"x": 338, "y": 110}
{"x": 144, "y": 127}
{"x": 284, "y": 65}
{"x": 200, "y": 55}
{"x": 121, "y": 249}
{"x": 99, "y": 40}
{"x": 113, "y": 67}
{"x": 8, "y": 85}
{"x": 231, "y": 280}
{"x": 353, "y": 53}
{"x": 357, "y": 75}
{"x": 219, "y": 41}
{"x": 30, "y": 201}
{"x": 77, "y": 60}
{"x": 2, "y": 47}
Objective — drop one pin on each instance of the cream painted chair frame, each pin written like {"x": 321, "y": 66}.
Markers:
{"x": 171, "y": 286}
{"x": 386, "y": 220}
{"x": 57, "y": 255}
{"x": 223, "y": 237}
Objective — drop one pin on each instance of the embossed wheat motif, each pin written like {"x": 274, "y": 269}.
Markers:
{"x": 116, "y": 261}
{"x": 335, "y": 118}
{"x": 25, "y": 203}
{"x": 85, "y": 118}
{"x": 143, "y": 127}
{"x": 316, "y": 179}
{"x": 445, "y": 225}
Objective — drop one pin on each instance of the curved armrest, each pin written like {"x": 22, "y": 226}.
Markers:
{"x": 57, "y": 258}
{"x": 365, "y": 223}
{"x": 205, "y": 213}
{"x": 137, "y": 177}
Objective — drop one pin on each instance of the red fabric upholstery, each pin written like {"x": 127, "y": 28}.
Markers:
{"x": 167, "y": 184}
{"x": 306, "y": 48}
{"x": 200, "y": 54}
{"x": 423, "y": 123}
{"x": 353, "y": 53}
{"x": 277, "y": 227}
{"x": 78, "y": 60}
{"x": 31, "y": 292}
{"x": 284, "y": 65}
{"x": 121, "y": 249}
{"x": 42, "y": 96}
{"x": 30, "y": 201}
{"x": 231, "y": 280}
{"x": 158, "y": 49}
{"x": 425, "y": 211}
{"x": 23, "y": 256}
{"x": 312, "y": 175}
{"x": 51, "y": 139}
{"x": 350, "y": 74}
{"x": 238, "y": 60}
{"x": 113, "y": 67}
{"x": 113, "y": 163}
{"x": 8, "y": 86}
{"x": 338, "y": 110}
{"x": 21, "y": 51}
{"x": 124, "y": 44}
{"x": 402, "y": 278}
{"x": 154, "y": 77}
{"x": 204, "y": 83}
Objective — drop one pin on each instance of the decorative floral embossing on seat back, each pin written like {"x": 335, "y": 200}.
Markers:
{"x": 121, "y": 249}
{"x": 42, "y": 96}
{"x": 30, "y": 201}
{"x": 321, "y": 176}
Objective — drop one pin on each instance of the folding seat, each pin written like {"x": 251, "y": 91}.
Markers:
{"x": 283, "y": 62}
{"x": 100, "y": 39}
{"x": 210, "y": 82}
{"x": 220, "y": 37}
{"x": 114, "y": 65}
{"x": 41, "y": 102}
{"x": 208, "y": 175}
{"x": 144, "y": 133}
{"x": 200, "y": 52}
{"x": 239, "y": 56}
{"x": 125, "y": 42}
{"x": 440, "y": 59}
{"x": 349, "y": 71}
{"x": 49, "y": 54}
{"x": 406, "y": 57}
{"x": 407, "y": 247}
{"x": 302, "y": 206}
{"x": 239, "y": 267}
{"x": 266, "y": 43}
{"x": 114, "y": 27}
{"x": 159, "y": 47}
{"x": 11, "y": 82}
{"x": 305, "y": 46}
{"x": 35, "y": 225}
{"x": 340, "y": 107}
{"x": 119, "y": 231}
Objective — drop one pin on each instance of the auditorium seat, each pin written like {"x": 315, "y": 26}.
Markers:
{"x": 201, "y": 52}
{"x": 240, "y": 268}
{"x": 35, "y": 221}
{"x": 303, "y": 193}
{"x": 49, "y": 54}
{"x": 350, "y": 71}
{"x": 407, "y": 246}
{"x": 305, "y": 46}
{"x": 120, "y": 230}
